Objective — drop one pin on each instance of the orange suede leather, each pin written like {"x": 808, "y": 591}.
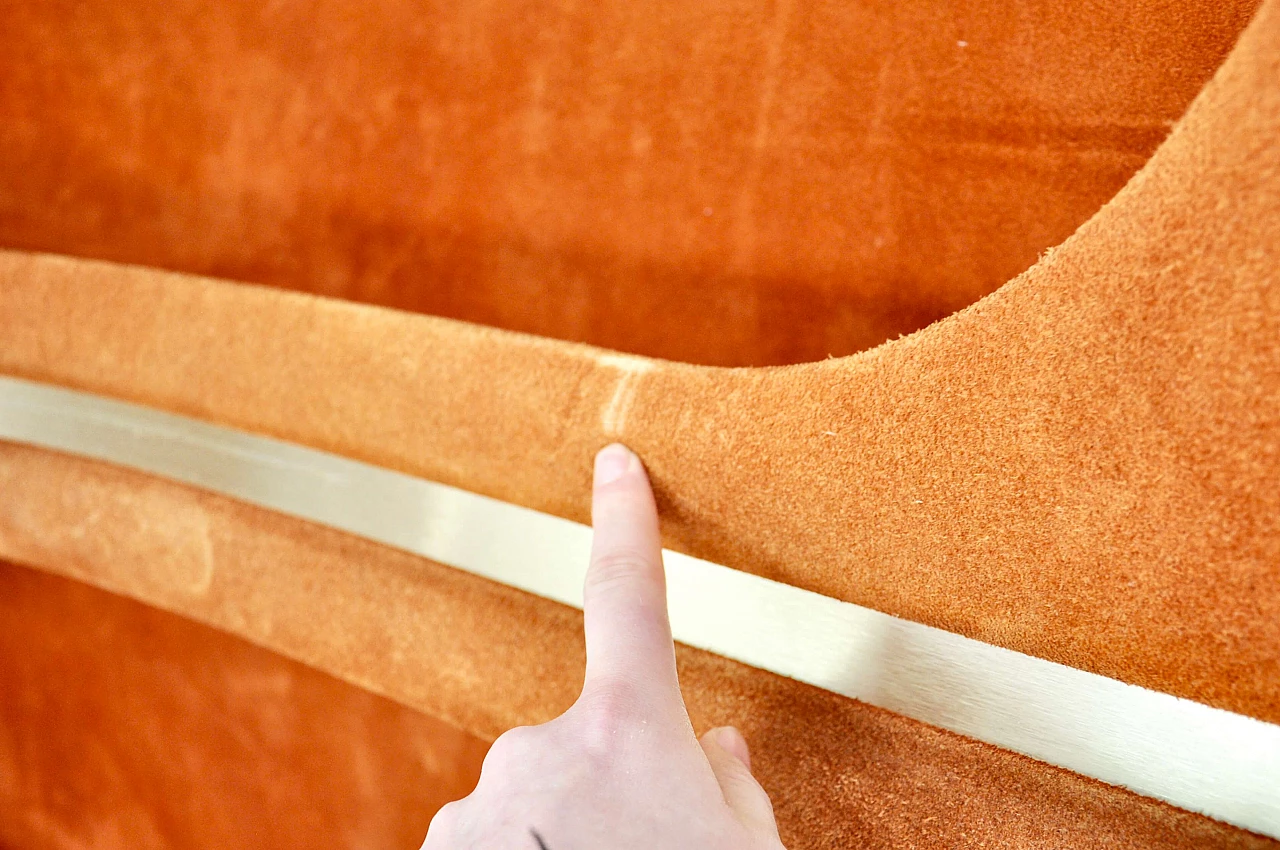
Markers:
{"x": 737, "y": 182}
{"x": 124, "y": 726}
{"x": 1081, "y": 466}
{"x": 485, "y": 657}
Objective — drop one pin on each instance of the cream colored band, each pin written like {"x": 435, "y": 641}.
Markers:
{"x": 1204, "y": 759}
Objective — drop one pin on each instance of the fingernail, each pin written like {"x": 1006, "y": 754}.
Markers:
{"x": 612, "y": 463}
{"x": 732, "y": 742}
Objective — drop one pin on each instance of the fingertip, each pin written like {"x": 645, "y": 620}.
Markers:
{"x": 614, "y": 461}
{"x": 622, "y": 503}
{"x": 735, "y": 744}
{"x": 729, "y": 739}
{"x": 730, "y": 761}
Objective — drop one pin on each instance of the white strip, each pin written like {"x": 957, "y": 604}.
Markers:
{"x": 1204, "y": 759}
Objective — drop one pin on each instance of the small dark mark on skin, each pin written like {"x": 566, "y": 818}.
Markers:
{"x": 542, "y": 845}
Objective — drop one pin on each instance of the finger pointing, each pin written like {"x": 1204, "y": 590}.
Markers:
{"x": 625, "y": 599}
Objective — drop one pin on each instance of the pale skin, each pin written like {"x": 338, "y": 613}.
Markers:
{"x": 622, "y": 769}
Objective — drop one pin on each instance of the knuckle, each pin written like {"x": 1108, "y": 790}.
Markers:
{"x": 618, "y": 567}
{"x": 606, "y": 711}
{"x": 443, "y": 826}
{"x": 512, "y": 747}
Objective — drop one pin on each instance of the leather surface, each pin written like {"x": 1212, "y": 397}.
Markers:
{"x": 485, "y": 657}
{"x": 124, "y": 726}
{"x": 736, "y": 182}
{"x": 1080, "y": 466}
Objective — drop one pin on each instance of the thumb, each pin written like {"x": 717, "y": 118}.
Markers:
{"x": 730, "y": 760}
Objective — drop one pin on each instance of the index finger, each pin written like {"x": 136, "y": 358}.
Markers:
{"x": 625, "y": 597}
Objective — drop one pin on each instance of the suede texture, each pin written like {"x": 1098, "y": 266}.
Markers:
{"x": 486, "y": 658}
{"x": 123, "y": 726}
{"x": 1080, "y": 466}
{"x": 735, "y": 182}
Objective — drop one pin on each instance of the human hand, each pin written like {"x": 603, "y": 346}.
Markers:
{"x": 622, "y": 768}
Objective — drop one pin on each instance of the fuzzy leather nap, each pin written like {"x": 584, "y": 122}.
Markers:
{"x": 1079, "y": 466}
